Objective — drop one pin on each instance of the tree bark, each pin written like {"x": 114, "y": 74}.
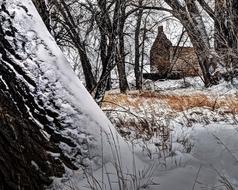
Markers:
{"x": 225, "y": 17}
{"x": 25, "y": 161}
{"x": 119, "y": 21}
{"x": 226, "y": 32}
{"x": 111, "y": 46}
{"x": 137, "y": 68}
{"x": 107, "y": 49}
{"x": 226, "y": 26}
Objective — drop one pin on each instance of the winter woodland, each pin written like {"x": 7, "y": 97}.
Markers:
{"x": 118, "y": 94}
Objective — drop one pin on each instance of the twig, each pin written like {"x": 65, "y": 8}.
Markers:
{"x": 197, "y": 177}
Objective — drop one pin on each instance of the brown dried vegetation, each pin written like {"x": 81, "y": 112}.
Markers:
{"x": 228, "y": 103}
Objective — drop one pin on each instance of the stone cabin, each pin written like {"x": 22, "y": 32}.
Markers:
{"x": 171, "y": 62}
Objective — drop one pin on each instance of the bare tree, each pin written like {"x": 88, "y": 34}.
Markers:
{"x": 191, "y": 19}
{"x": 138, "y": 64}
{"x": 67, "y": 21}
{"x": 120, "y": 57}
{"x": 108, "y": 44}
{"x": 109, "y": 18}
{"x": 225, "y": 16}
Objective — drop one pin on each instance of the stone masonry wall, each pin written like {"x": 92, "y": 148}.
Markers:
{"x": 164, "y": 60}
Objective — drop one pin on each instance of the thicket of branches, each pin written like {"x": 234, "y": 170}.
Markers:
{"x": 113, "y": 34}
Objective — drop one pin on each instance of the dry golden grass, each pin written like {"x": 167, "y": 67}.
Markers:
{"x": 174, "y": 101}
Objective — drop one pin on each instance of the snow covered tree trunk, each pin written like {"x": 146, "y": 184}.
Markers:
{"x": 25, "y": 159}
{"x": 49, "y": 123}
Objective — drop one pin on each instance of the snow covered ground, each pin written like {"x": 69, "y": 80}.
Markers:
{"x": 177, "y": 138}
{"x": 192, "y": 147}
{"x": 211, "y": 164}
